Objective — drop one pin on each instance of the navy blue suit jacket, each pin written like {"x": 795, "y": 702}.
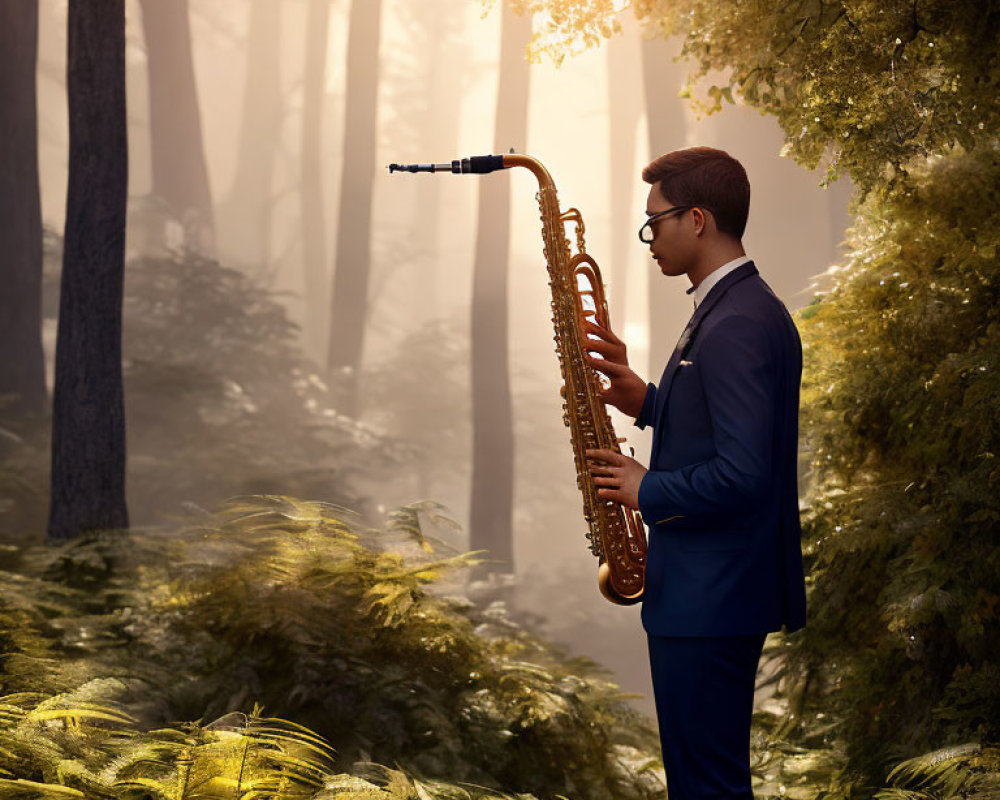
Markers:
{"x": 721, "y": 494}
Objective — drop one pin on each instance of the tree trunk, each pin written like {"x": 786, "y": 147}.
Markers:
{"x": 669, "y": 308}
{"x": 245, "y": 217}
{"x": 180, "y": 174}
{"x": 313, "y": 213}
{"x": 624, "y": 109}
{"x": 491, "y": 512}
{"x": 88, "y": 415}
{"x": 436, "y": 36}
{"x": 434, "y": 31}
{"x": 353, "y": 259}
{"x": 22, "y": 360}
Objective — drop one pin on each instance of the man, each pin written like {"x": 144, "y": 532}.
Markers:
{"x": 720, "y": 498}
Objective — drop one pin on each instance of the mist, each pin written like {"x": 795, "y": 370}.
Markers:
{"x": 277, "y": 170}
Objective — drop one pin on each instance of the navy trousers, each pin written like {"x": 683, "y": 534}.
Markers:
{"x": 703, "y": 688}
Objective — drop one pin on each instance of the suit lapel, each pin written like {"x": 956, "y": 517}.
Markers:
{"x": 687, "y": 338}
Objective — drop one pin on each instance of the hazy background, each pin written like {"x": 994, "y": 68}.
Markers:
{"x": 438, "y": 64}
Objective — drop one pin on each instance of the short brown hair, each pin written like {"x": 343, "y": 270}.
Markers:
{"x": 706, "y": 177}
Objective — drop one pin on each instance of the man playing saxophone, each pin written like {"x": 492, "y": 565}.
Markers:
{"x": 720, "y": 497}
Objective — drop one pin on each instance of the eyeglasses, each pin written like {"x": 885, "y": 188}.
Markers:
{"x": 646, "y": 236}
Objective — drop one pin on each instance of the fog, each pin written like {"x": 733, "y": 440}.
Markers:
{"x": 437, "y": 77}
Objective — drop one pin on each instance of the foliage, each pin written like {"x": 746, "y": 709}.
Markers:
{"x": 967, "y": 772}
{"x": 66, "y": 746}
{"x": 867, "y": 85}
{"x": 357, "y": 634}
{"x": 299, "y": 607}
{"x": 901, "y": 407}
{"x": 219, "y": 401}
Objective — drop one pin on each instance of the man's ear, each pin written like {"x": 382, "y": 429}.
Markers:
{"x": 700, "y": 221}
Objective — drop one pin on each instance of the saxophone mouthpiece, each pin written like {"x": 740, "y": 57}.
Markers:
{"x": 476, "y": 165}
{"x": 419, "y": 168}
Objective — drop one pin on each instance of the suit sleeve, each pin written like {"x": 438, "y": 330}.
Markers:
{"x": 739, "y": 378}
{"x": 648, "y": 406}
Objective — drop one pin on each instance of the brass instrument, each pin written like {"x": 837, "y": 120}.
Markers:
{"x": 616, "y": 534}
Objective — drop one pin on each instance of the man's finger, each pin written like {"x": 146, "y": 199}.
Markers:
{"x": 599, "y": 346}
{"x": 609, "y": 368}
{"x": 604, "y": 333}
{"x": 593, "y": 327}
{"x": 608, "y": 456}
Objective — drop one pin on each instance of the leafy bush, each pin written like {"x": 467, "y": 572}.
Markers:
{"x": 901, "y": 402}
{"x": 300, "y": 608}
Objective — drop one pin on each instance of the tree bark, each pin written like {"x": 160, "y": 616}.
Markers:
{"x": 491, "y": 511}
{"x": 88, "y": 419}
{"x": 353, "y": 259}
{"x": 22, "y": 359}
{"x": 180, "y": 173}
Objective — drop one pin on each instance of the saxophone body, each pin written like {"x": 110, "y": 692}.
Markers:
{"x": 615, "y": 533}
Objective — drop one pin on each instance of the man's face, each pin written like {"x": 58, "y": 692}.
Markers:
{"x": 673, "y": 238}
{"x": 667, "y": 233}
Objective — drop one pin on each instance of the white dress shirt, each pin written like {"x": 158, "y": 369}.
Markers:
{"x": 702, "y": 289}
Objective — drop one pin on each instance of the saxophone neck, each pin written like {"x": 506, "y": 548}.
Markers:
{"x": 478, "y": 165}
{"x": 518, "y": 160}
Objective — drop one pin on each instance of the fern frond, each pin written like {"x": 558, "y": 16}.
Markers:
{"x": 21, "y": 789}
{"x": 950, "y": 773}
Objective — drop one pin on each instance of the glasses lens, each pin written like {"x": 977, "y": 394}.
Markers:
{"x": 646, "y": 231}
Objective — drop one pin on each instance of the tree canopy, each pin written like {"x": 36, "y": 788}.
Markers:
{"x": 863, "y": 86}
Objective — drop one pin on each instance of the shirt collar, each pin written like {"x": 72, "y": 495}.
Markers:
{"x": 702, "y": 289}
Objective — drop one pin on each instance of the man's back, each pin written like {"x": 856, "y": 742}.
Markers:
{"x": 721, "y": 495}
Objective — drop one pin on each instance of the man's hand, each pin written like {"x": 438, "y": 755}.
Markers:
{"x": 620, "y": 474}
{"x": 627, "y": 390}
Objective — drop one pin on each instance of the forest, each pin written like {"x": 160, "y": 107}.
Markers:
{"x": 287, "y": 504}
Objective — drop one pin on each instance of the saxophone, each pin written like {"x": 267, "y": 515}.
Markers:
{"x": 616, "y": 534}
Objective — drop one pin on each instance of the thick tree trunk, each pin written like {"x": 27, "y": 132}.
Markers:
{"x": 180, "y": 173}
{"x": 88, "y": 416}
{"x": 669, "y": 307}
{"x": 313, "y": 208}
{"x": 491, "y": 512}
{"x": 353, "y": 259}
{"x": 22, "y": 360}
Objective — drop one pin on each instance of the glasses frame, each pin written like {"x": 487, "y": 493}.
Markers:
{"x": 654, "y": 217}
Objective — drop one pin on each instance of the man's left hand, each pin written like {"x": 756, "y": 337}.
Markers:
{"x": 616, "y": 476}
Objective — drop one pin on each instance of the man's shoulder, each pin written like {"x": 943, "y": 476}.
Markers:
{"x": 751, "y": 299}
{"x": 750, "y": 310}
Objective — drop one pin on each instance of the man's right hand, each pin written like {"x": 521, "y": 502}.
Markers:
{"x": 627, "y": 390}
